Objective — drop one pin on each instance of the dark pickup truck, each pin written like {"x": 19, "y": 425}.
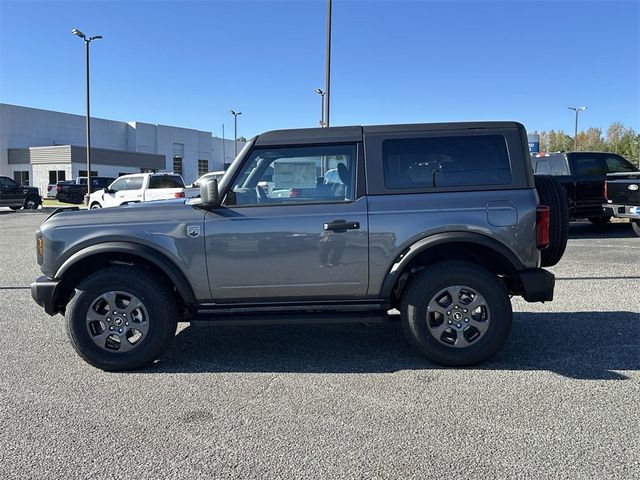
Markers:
{"x": 582, "y": 174}
{"x": 74, "y": 191}
{"x": 16, "y": 196}
{"x": 622, "y": 193}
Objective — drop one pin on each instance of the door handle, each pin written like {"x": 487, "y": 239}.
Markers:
{"x": 341, "y": 226}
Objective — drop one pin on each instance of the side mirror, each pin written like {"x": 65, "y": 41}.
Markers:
{"x": 209, "y": 193}
{"x": 105, "y": 189}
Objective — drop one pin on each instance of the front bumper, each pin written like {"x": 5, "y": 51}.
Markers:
{"x": 537, "y": 285}
{"x": 44, "y": 291}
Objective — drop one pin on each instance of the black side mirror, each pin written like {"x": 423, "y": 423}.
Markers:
{"x": 209, "y": 193}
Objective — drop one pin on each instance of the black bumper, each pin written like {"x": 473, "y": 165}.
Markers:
{"x": 44, "y": 292}
{"x": 537, "y": 285}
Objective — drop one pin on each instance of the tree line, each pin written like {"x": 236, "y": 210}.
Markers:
{"x": 618, "y": 139}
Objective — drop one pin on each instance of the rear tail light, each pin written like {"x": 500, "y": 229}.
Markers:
{"x": 542, "y": 227}
{"x": 606, "y": 190}
{"x": 58, "y": 188}
{"x": 178, "y": 194}
{"x": 49, "y": 187}
{"x": 295, "y": 193}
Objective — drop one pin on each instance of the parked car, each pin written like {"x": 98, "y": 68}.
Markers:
{"x": 16, "y": 196}
{"x": 71, "y": 191}
{"x": 217, "y": 175}
{"x": 622, "y": 193}
{"x": 141, "y": 187}
{"x": 440, "y": 221}
{"x": 51, "y": 191}
{"x": 582, "y": 174}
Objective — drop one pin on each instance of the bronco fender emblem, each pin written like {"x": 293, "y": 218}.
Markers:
{"x": 193, "y": 231}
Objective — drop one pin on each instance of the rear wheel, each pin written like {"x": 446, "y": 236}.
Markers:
{"x": 456, "y": 313}
{"x": 121, "y": 318}
{"x": 635, "y": 224}
{"x": 551, "y": 193}
{"x": 95, "y": 206}
{"x": 600, "y": 220}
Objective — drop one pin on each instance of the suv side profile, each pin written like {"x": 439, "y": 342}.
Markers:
{"x": 439, "y": 221}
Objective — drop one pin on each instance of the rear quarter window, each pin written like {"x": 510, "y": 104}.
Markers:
{"x": 451, "y": 161}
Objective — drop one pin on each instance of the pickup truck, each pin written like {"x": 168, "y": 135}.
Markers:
{"x": 74, "y": 191}
{"x": 622, "y": 192}
{"x": 16, "y": 196}
{"x": 582, "y": 174}
{"x": 141, "y": 187}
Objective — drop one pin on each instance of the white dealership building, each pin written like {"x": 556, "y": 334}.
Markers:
{"x": 39, "y": 147}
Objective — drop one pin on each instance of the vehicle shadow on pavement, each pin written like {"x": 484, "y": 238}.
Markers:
{"x": 608, "y": 230}
{"x": 580, "y": 345}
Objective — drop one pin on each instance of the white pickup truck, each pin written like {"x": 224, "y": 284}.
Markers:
{"x": 141, "y": 187}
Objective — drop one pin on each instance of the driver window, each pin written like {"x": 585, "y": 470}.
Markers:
{"x": 293, "y": 175}
{"x": 118, "y": 184}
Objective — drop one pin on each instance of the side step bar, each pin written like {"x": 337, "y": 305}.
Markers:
{"x": 212, "y": 318}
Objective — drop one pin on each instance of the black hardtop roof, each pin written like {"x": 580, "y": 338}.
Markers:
{"x": 354, "y": 133}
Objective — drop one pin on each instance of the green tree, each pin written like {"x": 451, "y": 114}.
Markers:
{"x": 591, "y": 140}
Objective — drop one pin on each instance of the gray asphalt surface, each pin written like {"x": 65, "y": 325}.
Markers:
{"x": 346, "y": 401}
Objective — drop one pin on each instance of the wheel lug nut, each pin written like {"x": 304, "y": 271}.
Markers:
{"x": 458, "y": 325}
{"x": 456, "y": 307}
{"x": 448, "y": 313}
{"x": 120, "y": 330}
{"x": 108, "y": 319}
{"x": 110, "y": 328}
{"x": 126, "y": 323}
{"x": 124, "y": 314}
{"x": 450, "y": 322}
{"x": 465, "y": 310}
{"x": 466, "y": 320}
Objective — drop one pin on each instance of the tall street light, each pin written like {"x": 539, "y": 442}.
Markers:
{"x": 87, "y": 41}
{"x": 321, "y": 93}
{"x": 235, "y": 130}
{"x": 327, "y": 86}
{"x": 575, "y": 137}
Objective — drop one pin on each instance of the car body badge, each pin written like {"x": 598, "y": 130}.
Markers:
{"x": 193, "y": 231}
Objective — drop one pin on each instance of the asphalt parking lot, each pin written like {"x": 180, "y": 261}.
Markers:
{"x": 343, "y": 401}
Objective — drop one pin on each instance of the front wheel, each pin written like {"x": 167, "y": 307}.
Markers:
{"x": 635, "y": 224}
{"x": 31, "y": 203}
{"x": 95, "y": 206}
{"x": 121, "y": 318}
{"x": 456, "y": 313}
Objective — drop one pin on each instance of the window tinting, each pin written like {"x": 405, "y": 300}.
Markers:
{"x": 558, "y": 165}
{"x": 542, "y": 166}
{"x": 618, "y": 164}
{"x": 166, "y": 181}
{"x": 590, "y": 165}
{"x": 134, "y": 183}
{"x": 446, "y": 161}
{"x": 119, "y": 184}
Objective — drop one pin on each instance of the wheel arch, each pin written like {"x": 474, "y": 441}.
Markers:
{"x": 94, "y": 257}
{"x": 473, "y": 247}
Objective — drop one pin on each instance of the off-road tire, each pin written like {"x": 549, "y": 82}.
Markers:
{"x": 427, "y": 283}
{"x": 157, "y": 300}
{"x": 553, "y": 195}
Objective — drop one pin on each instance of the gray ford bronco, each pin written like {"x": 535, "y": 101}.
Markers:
{"x": 442, "y": 222}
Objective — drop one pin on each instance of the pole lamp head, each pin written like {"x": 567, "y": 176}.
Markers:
{"x": 78, "y": 33}
{"x": 319, "y": 92}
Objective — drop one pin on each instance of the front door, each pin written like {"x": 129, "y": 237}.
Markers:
{"x": 10, "y": 193}
{"x": 291, "y": 228}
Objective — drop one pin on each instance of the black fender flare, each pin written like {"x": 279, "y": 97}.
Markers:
{"x": 150, "y": 254}
{"x": 409, "y": 253}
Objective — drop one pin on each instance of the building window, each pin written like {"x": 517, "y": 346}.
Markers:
{"x": 203, "y": 167}
{"x": 177, "y": 165}
{"x": 21, "y": 177}
{"x": 83, "y": 173}
{"x": 56, "y": 176}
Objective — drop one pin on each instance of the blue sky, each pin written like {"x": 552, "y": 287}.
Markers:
{"x": 186, "y": 63}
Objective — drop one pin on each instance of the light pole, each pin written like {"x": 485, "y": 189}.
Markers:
{"x": 321, "y": 93}
{"x": 575, "y": 137}
{"x": 235, "y": 131}
{"x": 87, "y": 41}
{"x": 327, "y": 86}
